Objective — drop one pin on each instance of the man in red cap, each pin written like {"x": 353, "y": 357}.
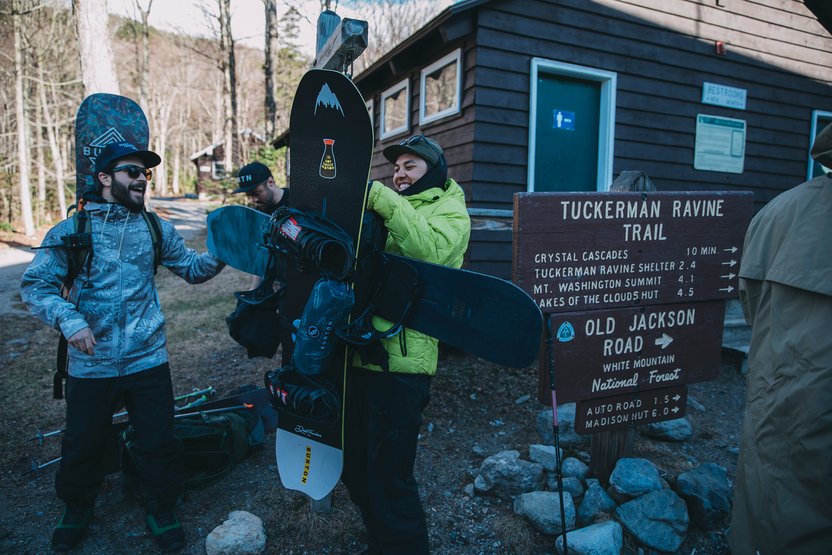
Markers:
{"x": 115, "y": 330}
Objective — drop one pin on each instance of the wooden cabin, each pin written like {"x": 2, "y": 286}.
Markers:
{"x": 564, "y": 95}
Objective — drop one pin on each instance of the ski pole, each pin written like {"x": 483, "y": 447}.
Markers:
{"x": 247, "y": 406}
{"x": 204, "y": 394}
{"x": 550, "y": 348}
{"x": 207, "y": 391}
{"x": 36, "y": 466}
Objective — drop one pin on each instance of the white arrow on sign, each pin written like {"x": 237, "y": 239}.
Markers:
{"x": 731, "y": 263}
{"x": 727, "y": 289}
{"x": 729, "y": 275}
{"x": 677, "y": 397}
{"x": 664, "y": 340}
{"x": 732, "y": 250}
{"x": 675, "y": 410}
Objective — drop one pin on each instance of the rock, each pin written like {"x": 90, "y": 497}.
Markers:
{"x": 574, "y": 468}
{"x": 545, "y": 455}
{"x": 522, "y": 399}
{"x": 241, "y": 534}
{"x": 604, "y": 538}
{"x": 595, "y": 502}
{"x": 707, "y": 492}
{"x": 633, "y": 477}
{"x": 669, "y": 430}
{"x": 658, "y": 520}
{"x": 570, "y": 484}
{"x": 542, "y": 510}
{"x": 469, "y": 490}
{"x": 566, "y": 427}
{"x": 506, "y": 475}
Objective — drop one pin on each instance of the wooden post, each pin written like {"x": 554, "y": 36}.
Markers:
{"x": 605, "y": 450}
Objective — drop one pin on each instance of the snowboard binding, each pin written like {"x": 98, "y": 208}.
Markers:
{"x": 315, "y": 241}
{"x": 310, "y": 397}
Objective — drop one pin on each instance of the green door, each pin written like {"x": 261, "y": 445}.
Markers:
{"x": 566, "y": 133}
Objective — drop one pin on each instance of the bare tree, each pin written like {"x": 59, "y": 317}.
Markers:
{"x": 268, "y": 66}
{"x": 391, "y": 22}
{"x": 144, "y": 57}
{"x": 97, "y": 70}
{"x": 18, "y": 12}
{"x": 229, "y": 68}
{"x": 51, "y": 135}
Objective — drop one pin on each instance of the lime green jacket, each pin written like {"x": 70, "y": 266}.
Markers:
{"x": 432, "y": 226}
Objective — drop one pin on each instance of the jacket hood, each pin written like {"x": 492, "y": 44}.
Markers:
{"x": 822, "y": 149}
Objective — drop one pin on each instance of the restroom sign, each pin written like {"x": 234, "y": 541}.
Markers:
{"x": 563, "y": 119}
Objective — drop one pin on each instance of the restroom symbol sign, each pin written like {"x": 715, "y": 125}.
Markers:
{"x": 563, "y": 119}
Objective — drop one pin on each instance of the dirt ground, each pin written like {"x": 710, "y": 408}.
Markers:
{"x": 473, "y": 413}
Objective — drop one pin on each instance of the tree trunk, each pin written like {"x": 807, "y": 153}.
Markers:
{"x": 144, "y": 58}
{"x": 97, "y": 70}
{"x": 232, "y": 153}
{"x": 54, "y": 149}
{"x": 268, "y": 67}
{"x": 20, "y": 114}
{"x": 41, "y": 163}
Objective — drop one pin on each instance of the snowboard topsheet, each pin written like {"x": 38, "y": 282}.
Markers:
{"x": 331, "y": 149}
{"x": 103, "y": 119}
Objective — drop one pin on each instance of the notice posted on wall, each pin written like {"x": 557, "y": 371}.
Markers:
{"x": 720, "y": 144}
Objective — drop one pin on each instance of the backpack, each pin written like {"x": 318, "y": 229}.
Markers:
{"x": 212, "y": 445}
{"x": 79, "y": 253}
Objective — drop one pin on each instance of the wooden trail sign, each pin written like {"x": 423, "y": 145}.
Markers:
{"x": 588, "y": 251}
{"x": 601, "y": 353}
{"x": 625, "y": 411}
{"x": 634, "y": 284}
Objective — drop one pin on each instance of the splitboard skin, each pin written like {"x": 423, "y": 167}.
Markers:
{"x": 237, "y": 236}
{"x": 102, "y": 119}
{"x": 330, "y": 154}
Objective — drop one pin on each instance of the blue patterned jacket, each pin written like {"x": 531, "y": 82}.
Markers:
{"x": 117, "y": 298}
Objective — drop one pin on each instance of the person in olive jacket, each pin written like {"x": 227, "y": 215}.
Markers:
{"x": 426, "y": 219}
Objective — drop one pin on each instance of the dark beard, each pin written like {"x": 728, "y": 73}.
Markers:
{"x": 121, "y": 193}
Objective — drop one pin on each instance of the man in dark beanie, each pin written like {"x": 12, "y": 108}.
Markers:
{"x": 783, "y": 490}
{"x": 115, "y": 332}
{"x": 426, "y": 219}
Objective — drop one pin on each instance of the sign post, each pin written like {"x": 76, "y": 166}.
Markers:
{"x": 634, "y": 285}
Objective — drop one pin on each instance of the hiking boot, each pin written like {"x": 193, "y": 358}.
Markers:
{"x": 71, "y": 528}
{"x": 165, "y": 527}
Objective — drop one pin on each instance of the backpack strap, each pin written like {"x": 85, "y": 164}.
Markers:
{"x": 79, "y": 252}
{"x": 154, "y": 225}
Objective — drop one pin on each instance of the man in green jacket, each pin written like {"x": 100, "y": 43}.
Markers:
{"x": 426, "y": 219}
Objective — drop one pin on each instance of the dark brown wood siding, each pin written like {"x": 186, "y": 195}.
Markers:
{"x": 661, "y": 52}
{"x": 454, "y": 133}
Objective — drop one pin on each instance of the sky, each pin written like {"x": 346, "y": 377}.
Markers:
{"x": 247, "y": 18}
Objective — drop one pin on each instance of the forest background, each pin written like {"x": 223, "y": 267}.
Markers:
{"x": 197, "y": 89}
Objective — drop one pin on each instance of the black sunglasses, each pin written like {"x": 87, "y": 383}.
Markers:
{"x": 135, "y": 171}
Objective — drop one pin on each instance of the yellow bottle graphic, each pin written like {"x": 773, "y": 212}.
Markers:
{"x": 327, "y": 170}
